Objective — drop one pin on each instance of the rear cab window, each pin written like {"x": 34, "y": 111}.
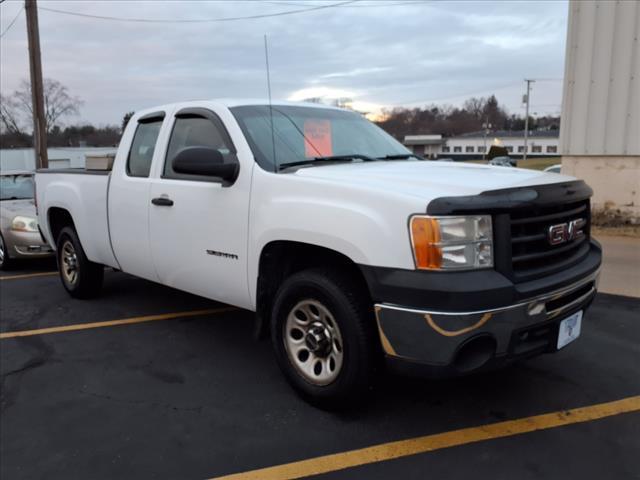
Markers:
{"x": 143, "y": 145}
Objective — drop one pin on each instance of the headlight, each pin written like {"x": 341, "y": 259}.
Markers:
{"x": 451, "y": 243}
{"x": 24, "y": 224}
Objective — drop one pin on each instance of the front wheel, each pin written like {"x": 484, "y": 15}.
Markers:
{"x": 323, "y": 337}
{"x": 81, "y": 277}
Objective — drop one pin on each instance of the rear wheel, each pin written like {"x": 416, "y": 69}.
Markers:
{"x": 81, "y": 277}
{"x": 323, "y": 337}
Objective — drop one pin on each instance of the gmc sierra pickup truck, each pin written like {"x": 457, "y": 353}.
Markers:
{"x": 349, "y": 249}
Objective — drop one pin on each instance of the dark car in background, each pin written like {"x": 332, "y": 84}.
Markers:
{"x": 503, "y": 162}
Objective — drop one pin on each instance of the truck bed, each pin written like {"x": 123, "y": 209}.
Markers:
{"x": 84, "y": 193}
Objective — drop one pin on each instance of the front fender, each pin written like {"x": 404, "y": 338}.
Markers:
{"x": 366, "y": 226}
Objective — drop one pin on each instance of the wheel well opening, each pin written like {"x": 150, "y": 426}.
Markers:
{"x": 58, "y": 219}
{"x": 281, "y": 259}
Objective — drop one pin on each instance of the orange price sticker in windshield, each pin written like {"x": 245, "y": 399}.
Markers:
{"x": 317, "y": 138}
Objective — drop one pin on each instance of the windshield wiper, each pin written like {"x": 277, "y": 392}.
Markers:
{"x": 399, "y": 156}
{"x": 331, "y": 158}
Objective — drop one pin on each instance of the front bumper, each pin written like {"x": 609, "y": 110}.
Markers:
{"x": 468, "y": 332}
{"x": 26, "y": 245}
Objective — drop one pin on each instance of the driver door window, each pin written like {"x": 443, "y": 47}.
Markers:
{"x": 196, "y": 132}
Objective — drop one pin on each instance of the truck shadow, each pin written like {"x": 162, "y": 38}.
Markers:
{"x": 397, "y": 407}
{"x": 211, "y": 371}
{"x": 205, "y": 385}
{"x": 24, "y": 267}
{"x": 246, "y": 370}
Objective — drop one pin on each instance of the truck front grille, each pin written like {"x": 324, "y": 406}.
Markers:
{"x": 532, "y": 254}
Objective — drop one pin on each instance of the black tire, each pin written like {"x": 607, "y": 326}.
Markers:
{"x": 88, "y": 278}
{"x": 351, "y": 309}
{"x": 6, "y": 262}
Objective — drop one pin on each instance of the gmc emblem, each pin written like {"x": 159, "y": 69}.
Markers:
{"x": 565, "y": 232}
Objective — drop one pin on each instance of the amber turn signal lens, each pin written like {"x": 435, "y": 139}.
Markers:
{"x": 425, "y": 236}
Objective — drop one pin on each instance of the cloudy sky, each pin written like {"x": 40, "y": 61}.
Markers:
{"x": 379, "y": 53}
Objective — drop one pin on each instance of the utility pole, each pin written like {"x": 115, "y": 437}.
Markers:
{"x": 526, "y": 118}
{"x": 37, "y": 95}
{"x": 486, "y": 126}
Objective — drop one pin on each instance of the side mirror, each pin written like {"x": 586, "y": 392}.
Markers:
{"x": 204, "y": 161}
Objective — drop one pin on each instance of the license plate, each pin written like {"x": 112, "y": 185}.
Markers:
{"x": 569, "y": 329}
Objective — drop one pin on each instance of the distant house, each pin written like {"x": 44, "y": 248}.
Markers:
{"x": 427, "y": 146}
{"x": 469, "y": 146}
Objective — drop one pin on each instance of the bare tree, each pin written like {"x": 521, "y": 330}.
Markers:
{"x": 9, "y": 116}
{"x": 475, "y": 106}
{"x": 58, "y": 102}
{"x": 449, "y": 120}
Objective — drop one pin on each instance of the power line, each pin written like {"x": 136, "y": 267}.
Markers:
{"x": 201, "y": 20}
{"x": 368, "y": 5}
{"x": 390, "y": 4}
{"x": 12, "y": 22}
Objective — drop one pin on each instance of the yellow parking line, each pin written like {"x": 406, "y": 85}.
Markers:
{"x": 114, "y": 323}
{"x": 27, "y": 275}
{"x": 429, "y": 443}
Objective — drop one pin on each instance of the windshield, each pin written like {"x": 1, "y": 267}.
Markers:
{"x": 304, "y": 133}
{"x": 16, "y": 187}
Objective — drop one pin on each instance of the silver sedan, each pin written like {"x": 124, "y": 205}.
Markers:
{"x": 19, "y": 234}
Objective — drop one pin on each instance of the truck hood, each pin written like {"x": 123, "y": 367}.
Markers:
{"x": 427, "y": 180}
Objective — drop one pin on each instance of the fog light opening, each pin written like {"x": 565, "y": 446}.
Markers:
{"x": 475, "y": 353}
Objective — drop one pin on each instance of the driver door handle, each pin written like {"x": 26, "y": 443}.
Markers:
{"x": 162, "y": 201}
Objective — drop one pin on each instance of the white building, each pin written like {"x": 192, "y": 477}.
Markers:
{"x": 427, "y": 146}
{"x": 475, "y": 145}
{"x": 470, "y": 146}
{"x": 69, "y": 157}
{"x": 600, "y": 128}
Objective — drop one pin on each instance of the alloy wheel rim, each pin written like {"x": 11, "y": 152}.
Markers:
{"x": 69, "y": 264}
{"x": 313, "y": 342}
{"x": 1, "y": 251}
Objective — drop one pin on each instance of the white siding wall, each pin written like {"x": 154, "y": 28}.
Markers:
{"x": 514, "y": 142}
{"x": 24, "y": 158}
{"x": 601, "y": 98}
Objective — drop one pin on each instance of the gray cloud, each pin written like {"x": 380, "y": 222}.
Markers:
{"x": 405, "y": 54}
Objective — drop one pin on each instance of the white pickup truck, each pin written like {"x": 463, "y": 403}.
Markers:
{"x": 349, "y": 248}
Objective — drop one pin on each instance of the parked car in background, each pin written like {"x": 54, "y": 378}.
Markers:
{"x": 557, "y": 168}
{"x": 503, "y": 162}
{"x": 19, "y": 234}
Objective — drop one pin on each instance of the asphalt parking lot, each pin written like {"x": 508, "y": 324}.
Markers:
{"x": 149, "y": 382}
